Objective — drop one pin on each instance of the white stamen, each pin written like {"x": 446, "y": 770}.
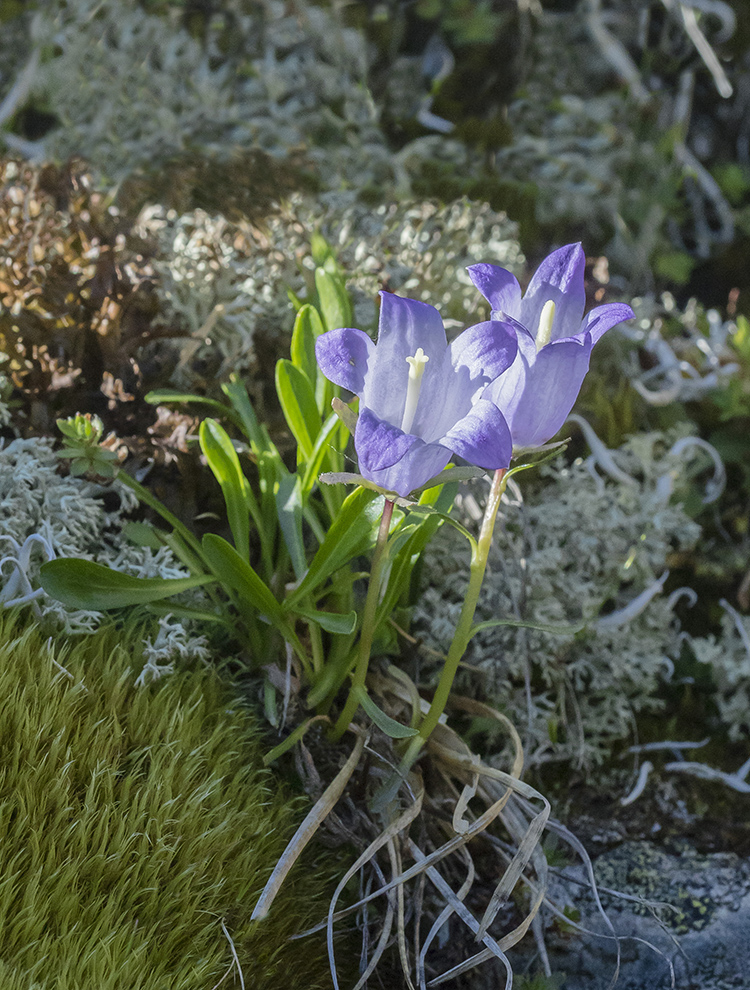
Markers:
{"x": 416, "y": 370}
{"x": 544, "y": 331}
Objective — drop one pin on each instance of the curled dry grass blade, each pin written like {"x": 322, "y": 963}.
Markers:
{"x": 307, "y": 830}
{"x": 387, "y": 835}
{"x": 460, "y": 778}
{"x": 444, "y": 915}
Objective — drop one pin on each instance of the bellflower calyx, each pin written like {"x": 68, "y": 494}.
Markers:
{"x": 555, "y": 341}
{"x": 421, "y": 399}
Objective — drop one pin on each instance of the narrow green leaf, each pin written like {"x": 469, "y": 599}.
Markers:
{"x": 320, "y": 248}
{"x": 410, "y": 541}
{"x": 289, "y": 511}
{"x": 299, "y": 406}
{"x": 186, "y": 612}
{"x": 539, "y": 626}
{"x": 551, "y": 451}
{"x": 352, "y": 533}
{"x": 335, "y": 305}
{"x": 326, "y": 439}
{"x": 428, "y": 510}
{"x": 87, "y": 585}
{"x": 142, "y": 534}
{"x": 345, "y": 413}
{"x": 307, "y": 328}
{"x": 293, "y": 738}
{"x": 255, "y": 432}
{"x": 384, "y": 722}
{"x": 451, "y": 474}
{"x": 164, "y": 396}
{"x": 238, "y": 575}
{"x": 225, "y": 464}
{"x": 332, "y": 622}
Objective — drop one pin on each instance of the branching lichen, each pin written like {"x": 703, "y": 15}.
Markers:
{"x": 45, "y": 514}
{"x": 577, "y": 554}
{"x": 223, "y": 283}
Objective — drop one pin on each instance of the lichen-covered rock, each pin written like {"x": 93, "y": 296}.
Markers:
{"x": 680, "y": 907}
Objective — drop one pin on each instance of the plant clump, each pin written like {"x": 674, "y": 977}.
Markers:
{"x": 75, "y": 299}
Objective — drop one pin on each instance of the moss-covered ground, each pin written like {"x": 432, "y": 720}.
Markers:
{"x": 138, "y": 828}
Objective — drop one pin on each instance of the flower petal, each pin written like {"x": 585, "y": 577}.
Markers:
{"x": 379, "y": 444}
{"x": 344, "y": 357}
{"x": 603, "y": 318}
{"x": 485, "y": 349}
{"x": 482, "y": 437}
{"x": 540, "y": 393}
{"x": 559, "y": 278}
{"x": 498, "y": 286}
{"x": 405, "y": 326}
{"x": 395, "y": 460}
{"x": 474, "y": 359}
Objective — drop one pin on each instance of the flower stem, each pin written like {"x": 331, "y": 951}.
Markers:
{"x": 379, "y": 560}
{"x": 462, "y": 635}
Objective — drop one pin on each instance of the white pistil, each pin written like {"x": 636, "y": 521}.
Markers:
{"x": 544, "y": 332}
{"x": 416, "y": 370}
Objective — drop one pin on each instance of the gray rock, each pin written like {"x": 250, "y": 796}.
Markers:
{"x": 681, "y": 907}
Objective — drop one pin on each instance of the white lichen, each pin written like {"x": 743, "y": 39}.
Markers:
{"x": 45, "y": 514}
{"x": 224, "y": 283}
{"x": 573, "y": 553}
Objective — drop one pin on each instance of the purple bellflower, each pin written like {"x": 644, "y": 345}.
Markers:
{"x": 554, "y": 341}
{"x": 421, "y": 399}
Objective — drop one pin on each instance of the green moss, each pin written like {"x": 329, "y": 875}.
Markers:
{"x": 134, "y": 823}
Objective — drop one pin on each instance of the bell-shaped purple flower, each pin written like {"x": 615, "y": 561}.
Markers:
{"x": 421, "y": 399}
{"x": 554, "y": 341}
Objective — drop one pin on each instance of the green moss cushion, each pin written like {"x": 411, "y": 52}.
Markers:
{"x": 134, "y": 825}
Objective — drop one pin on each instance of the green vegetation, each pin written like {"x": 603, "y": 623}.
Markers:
{"x": 138, "y": 827}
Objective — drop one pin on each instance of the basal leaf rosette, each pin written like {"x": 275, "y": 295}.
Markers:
{"x": 421, "y": 399}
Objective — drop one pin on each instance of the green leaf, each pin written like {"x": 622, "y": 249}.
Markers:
{"x": 225, "y": 464}
{"x": 299, "y": 406}
{"x": 551, "y": 451}
{"x": 142, "y": 534}
{"x": 289, "y": 510}
{"x": 345, "y": 413}
{"x": 332, "y": 622}
{"x": 384, "y": 722}
{"x": 741, "y": 337}
{"x": 320, "y": 248}
{"x": 87, "y": 585}
{"x": 256, "y": 433}
{"x": 539, "y": 626}
{"x": 410, "y": 541}
{"x": 238, "y": 575}
{"x": 335, "y": 305}
{"x": 428, "y": 510}
{"x": 451, "y": 474}
{"x": 162, "y": 396}
{"x": 293, "y": 738}
{"x": 307, "y": 328}
{"x": 322, "y": 446}
{"x": 186, "y": 612}
{"x": 352, "y": 533}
